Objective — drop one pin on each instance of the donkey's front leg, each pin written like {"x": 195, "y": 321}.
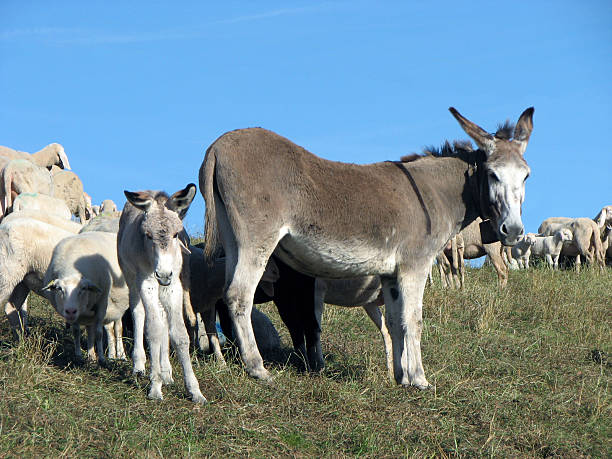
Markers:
{"x": 404, "y": 314}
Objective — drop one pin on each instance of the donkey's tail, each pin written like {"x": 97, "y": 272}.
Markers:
{"x": 207, "y": 187}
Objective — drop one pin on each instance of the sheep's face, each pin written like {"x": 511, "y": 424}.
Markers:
{"x": 530, "y": 239}
{"x": 161, "y": 228}
{"x": 565, "y": 235}
{"x": 73, "y": 297}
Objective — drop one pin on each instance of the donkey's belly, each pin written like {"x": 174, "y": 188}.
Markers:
{"x": 332, "y": 259}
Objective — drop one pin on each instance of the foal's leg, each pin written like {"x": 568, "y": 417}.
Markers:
{"x": 155, "y": 318}
{"x": 172, "y": 299}
{"x": 404, "y": 314}
{"x": 374, "y": 313}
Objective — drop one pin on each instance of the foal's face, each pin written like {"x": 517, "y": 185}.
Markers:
{"x": 161, "y": 228}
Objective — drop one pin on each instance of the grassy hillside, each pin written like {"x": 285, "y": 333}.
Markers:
{"x": 523, "y": 372}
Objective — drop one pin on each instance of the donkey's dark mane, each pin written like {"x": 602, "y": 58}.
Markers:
{"x": 505, "y": 130}
{"x": 458, "y": 148}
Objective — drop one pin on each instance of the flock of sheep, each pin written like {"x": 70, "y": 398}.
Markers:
{"x": 142, "y": 259}
{"x": 574, "y": 239}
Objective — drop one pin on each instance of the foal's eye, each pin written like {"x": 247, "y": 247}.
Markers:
{"x": 149, "y": 235}
{"x": 175, "y": 235}
{"x": 493, "y": 176}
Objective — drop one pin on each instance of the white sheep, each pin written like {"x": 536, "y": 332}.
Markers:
{"x": 26, "y": 246}
{"x": 550, "y": 246}
{"x": 41, "y": 203}
{"x": 86, "y": 287}
{"x": 522, "y": 250}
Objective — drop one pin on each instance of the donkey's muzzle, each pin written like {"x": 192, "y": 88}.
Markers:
{"x": 163, "y": 279}
{"x": 511, "y": 233}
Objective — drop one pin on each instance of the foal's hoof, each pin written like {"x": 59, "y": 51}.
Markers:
{"x": 167, "y": 378}
{"x": 198, "y": 398}
{"x": 155, "y": 394}
{"x": 420, "y": 386}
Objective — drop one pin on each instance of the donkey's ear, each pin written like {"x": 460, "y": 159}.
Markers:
{"x": 483, "y": 139}
{"x": 140, "y": 199}
{"x": 181, "y": 200}
{"x": 523, "y": 129}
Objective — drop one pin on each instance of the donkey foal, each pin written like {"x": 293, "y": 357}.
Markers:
{"x": 150, "y": 246}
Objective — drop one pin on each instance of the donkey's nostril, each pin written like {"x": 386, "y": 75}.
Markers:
{"x": 503, "y": 229}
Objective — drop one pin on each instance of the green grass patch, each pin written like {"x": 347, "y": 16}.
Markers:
{"x": 521, "y": 372}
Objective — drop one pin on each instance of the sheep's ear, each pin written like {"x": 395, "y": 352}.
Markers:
{"x": 140, "y": 199}
{"x": 180, "y": 201}
{"x": 52, "y": 285}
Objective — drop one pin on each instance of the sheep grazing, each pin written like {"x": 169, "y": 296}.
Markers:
{"x": 41, "y": 203}
{"x": 150, "y": 247}
{"x": 86, "y": 287}
{"x": 26, "y": 247}
{"x": 68, "y": 187}
{"x": 522, "y": 250}
{"x": 586, "y": 241}
{"x": 52, "y": 155}
{"x": 550, "y": 246}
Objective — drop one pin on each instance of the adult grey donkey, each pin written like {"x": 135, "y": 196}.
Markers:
{"x": 265, "y": 195}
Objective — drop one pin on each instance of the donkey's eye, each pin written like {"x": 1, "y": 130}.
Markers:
{"x": 149, "y": 235}
{"x": 526, "y": 177}
{"x": 493, "y": 176}
{"x": 175, "y": 235}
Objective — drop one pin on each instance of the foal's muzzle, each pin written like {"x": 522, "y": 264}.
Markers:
{"x": 163, "y": 279}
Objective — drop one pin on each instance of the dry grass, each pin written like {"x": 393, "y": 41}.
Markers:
{"x": 515, "y": 375}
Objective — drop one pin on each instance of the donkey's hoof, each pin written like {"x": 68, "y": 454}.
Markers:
{"x": 261, "y": 374}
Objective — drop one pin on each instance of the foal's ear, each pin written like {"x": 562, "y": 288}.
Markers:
{"x": 523, "y": 129}
{"x": 181, "y": 200}
{"x": 483, "y": 139}
{"x": 140, "y": 199}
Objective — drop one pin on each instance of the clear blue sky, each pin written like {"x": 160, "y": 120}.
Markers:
{"x": 136, "y": 91}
